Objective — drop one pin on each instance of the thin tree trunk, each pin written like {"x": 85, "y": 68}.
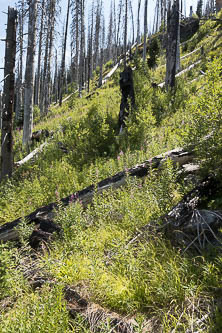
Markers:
{"x": 39, "y": 55}
{"x": 125, "y": 31}
{"x": 29, "y": 74}
{"x": 9, "y": 92}
{"x": 132, "y": 18}
{"x": 102, "y": 54}
{"x": 1, "y": 106}
{"x": 172, "y": 35}
{"x": 82, "y": 48}
{"x": 19, "y": 95}
{"x": 145, "y": 30}
{"x": 47, "y": 89}
{"x": 118, "y": 29}
{"x": 62, "y": 73}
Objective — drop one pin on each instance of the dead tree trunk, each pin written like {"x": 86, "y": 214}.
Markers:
{"x": 145, "y": 30}
{"x": 138, "y": 22}
{"x": 29, "y": 74}
{"x": 1, "y": 105}
{"x": 125, "y": 32}
{"x": 37, "y": 92}
{"x": 7, "y": 114}
{"x": 172, "y": 36}
{"x": 128, "y": 97}
{"x": 62, "y": 73}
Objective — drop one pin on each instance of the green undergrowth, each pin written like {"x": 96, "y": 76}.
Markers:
{"x": 144, "y": 278}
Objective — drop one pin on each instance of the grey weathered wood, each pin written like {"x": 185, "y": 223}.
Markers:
{"x": 31, "y": 155}
{"x": 62, "y": 75}
{"x": 145, "y": 30}
{"x": 161, "y": 85}
{"x": 29, "y": 74}
{"x": 8, "y": 96}
{"x": 172, "y": 36}
{"x": 85, "y": 196}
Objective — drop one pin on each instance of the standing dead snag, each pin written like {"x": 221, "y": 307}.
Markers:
{"x": 172, "y": 41}
{"x": 8, "y": 96}
{"x": 29, "y": 74}
{"x": 128, "y": 97}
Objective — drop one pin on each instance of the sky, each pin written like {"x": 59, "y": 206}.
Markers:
{"x": 5, "y": 3}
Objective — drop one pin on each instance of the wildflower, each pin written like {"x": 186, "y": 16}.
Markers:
{"x": 72, "y": 197}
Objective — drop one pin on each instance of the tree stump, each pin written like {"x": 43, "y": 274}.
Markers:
{"x": 128, "y": 96}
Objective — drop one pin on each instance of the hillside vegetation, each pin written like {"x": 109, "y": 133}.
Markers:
{"x": 97, "y": 270}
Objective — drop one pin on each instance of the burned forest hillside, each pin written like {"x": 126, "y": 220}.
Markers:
{"x": 111, "y": 218}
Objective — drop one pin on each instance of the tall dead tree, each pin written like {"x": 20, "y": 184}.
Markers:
{"x": 110, "y": 35}
{"x": 118, "y": 28}
{"x": 47, "y": 89}
{"x": 97, "y": 33}
{"x": 37, "y": 86}
{"x": 62, "y": 71}
{"x": 172, "y": 40}
{"x": 125, "y": 31}
{"x": 138, "y": 21}
{"x": 1, "y": 105}
{"x": 19, "y": 87}
{"x": 8, "y": 97}
{"x": 145, "y": 30}
{"x": 82, "y": 47}
{"x": 90, "y": 50}
{"x": 132, "y": 20}
{"x": 29, "y": 74}
{"x": 102, "y": 52}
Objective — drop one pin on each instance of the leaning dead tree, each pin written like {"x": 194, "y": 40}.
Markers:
{"x": 8, "y": 96}
{"x": 172, "y": 43}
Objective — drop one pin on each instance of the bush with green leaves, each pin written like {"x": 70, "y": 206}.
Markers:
{"x": 204, "y": 132}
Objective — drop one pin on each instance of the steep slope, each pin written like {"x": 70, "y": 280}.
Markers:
{"x": 118, "y": 281}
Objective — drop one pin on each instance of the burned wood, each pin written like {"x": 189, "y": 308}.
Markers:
{"x": 172, "y": 43}
{"x": 8, "y": 97}
{"x": 128, "y": 96}
{"x": 189, "y": 224}
{"x": 178, "y": 156}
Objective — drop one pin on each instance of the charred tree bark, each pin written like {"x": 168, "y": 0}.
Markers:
{"x": 189, "y": 225}
{"x": 8, "y": 97}
{"x": 1, "y": 106}
{"x": 128, "y": 96}
{"x": 172, "y": 36}
{"x": 19, "y": 94}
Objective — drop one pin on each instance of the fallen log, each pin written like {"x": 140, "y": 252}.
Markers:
{"x": 188, "y": 54}
{"x": 45, "y": 214}
{"x": 161, "y": 85}
{"x": 189, "y": 224}
{"x": 31, "y": 155}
